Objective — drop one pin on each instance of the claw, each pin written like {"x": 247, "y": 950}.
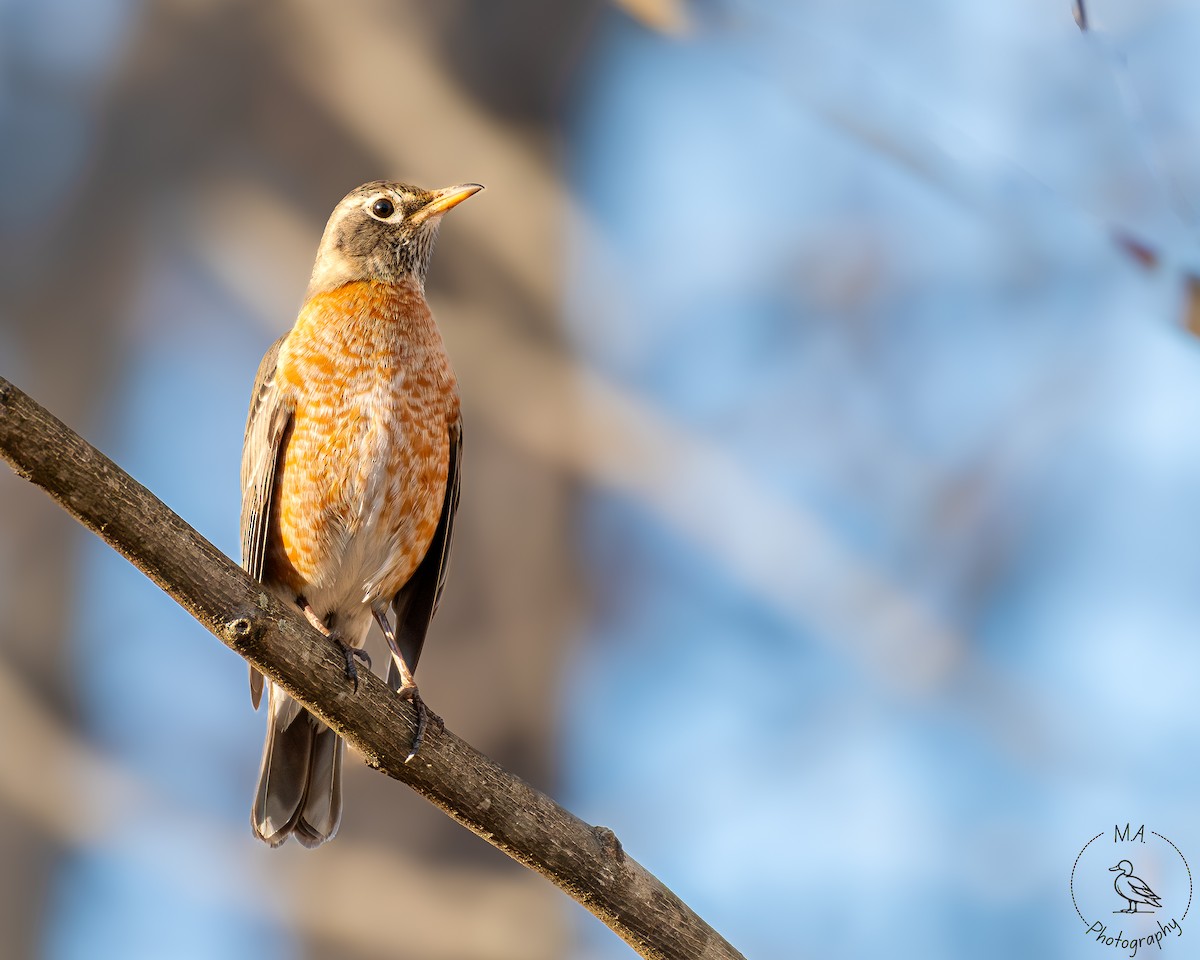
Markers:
{"x": 351, "y": 654}
{"x": 410, "y": 693}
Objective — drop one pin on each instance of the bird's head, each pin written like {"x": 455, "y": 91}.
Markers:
{"x": 1124, "y": 867}
{"x": 383, "y": 231}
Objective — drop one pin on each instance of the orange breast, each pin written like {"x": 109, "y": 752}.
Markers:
{"x": 363, "y": 473}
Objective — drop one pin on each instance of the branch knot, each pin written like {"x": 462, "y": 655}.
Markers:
{"x": 610, "y": 846}
{"x": 242, "y": 631}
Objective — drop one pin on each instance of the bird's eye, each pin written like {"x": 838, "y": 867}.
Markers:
{"x": 383, "y": 208}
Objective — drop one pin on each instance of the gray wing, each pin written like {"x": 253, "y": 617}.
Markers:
{"x": 268, "y": 422}
{"x": 417, "y": 601}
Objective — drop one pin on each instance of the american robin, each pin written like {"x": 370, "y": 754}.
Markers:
{"x": 350, "y": 478}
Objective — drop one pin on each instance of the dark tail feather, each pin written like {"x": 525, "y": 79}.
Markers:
{"x": 322, "y": 810}
{"x": 300, "y": 783}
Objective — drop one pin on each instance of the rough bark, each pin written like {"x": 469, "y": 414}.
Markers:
{"x": 587, "y": 862}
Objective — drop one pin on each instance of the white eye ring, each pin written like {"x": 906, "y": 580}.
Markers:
{"x": 382, "y": 208}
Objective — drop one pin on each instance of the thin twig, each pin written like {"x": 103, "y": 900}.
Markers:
{"x": 586, "y": 862}
{"x": 1080, "y": 13}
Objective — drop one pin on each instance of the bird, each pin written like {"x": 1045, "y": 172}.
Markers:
{"x": 350, "y": 479}
{"x": 1133, "y": 889}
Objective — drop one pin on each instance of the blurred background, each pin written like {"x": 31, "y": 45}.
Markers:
{"x": 828, "y": 525}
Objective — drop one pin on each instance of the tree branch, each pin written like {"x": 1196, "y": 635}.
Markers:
{"x": 586, "y": 862}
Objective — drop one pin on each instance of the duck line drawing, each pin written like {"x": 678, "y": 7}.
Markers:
{"x": 1133, "y": 889}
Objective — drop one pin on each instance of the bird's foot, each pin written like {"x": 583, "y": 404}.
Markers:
{"x": 408, "y": 691}
{"x": 351, "y": 654}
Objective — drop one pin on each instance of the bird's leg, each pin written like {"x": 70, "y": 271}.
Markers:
{"x": 408, "y": 686}
{"x": 349, "y": 651}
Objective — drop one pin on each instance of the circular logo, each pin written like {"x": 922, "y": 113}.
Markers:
{"x": 1132, "y": 888}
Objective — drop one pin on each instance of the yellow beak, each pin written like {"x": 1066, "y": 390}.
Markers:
{"x": 442, "y": 200}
